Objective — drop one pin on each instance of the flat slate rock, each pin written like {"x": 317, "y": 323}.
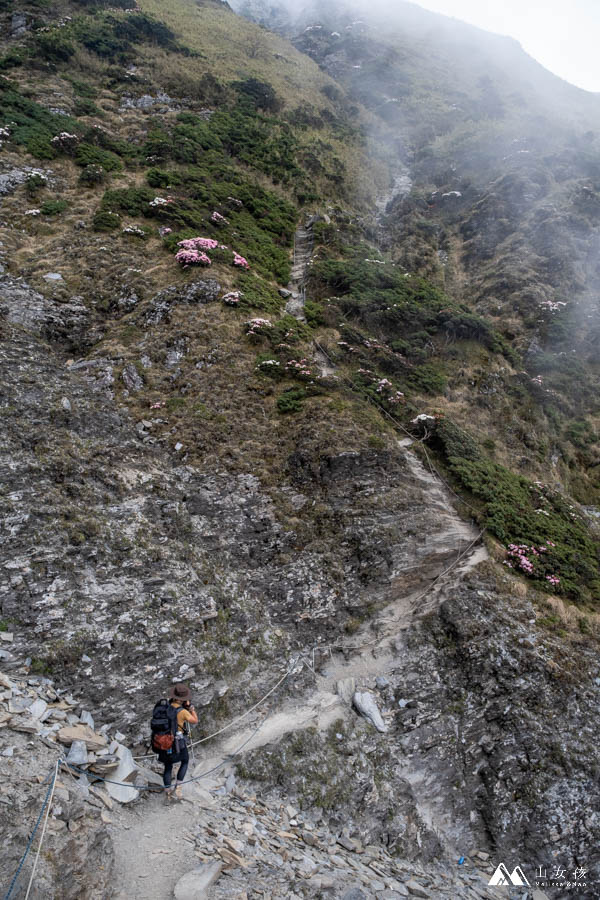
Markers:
{"x": 417, "y": 890}
{"x": 194, "y": 885}
{"x": 70, "y": 733}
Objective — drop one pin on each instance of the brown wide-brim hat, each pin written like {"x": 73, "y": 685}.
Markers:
{"x": 179, "y": 691}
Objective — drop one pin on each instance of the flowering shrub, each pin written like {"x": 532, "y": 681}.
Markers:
{"x": 233, "y": 298}
{"x": 268, "y": 366}
{"x": 552, "y": 307}
{"x": 192, "y": 258}
{"x": 160, "y": 201}
{"x": 198, "y": 243}
{"x": 164, "y": 231}
{"x": 240, "y": 261}
{"x": 235, "y": 202}
{"x": 65, "y": 142}
{"x": 298, "y": 368}
{"x": 33, "y": 212}
{"x": 92, "y": 174}
{"x": 383, "y": 387}
{"x": 519, "y": 557}
{"x": 258, "y": 326}
{"x": 135, "y": 231}
{"x": 158, "y": 405}
{"x": 217, "y": 219}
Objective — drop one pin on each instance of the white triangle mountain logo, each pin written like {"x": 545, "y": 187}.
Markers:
{"x": 501, "y": 877}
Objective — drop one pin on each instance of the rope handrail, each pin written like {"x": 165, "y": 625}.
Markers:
{"x": 46, "y": 803}
{"x": 237, "y": 718}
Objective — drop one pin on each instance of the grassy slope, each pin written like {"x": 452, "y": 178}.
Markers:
{"x": 217, "y": 405}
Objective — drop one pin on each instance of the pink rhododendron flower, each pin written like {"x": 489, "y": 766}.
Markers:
{"x": 257, "y": 326}
{"x": 198, "y": 243}
{"x": 217, "y": 219}
{"x": 298, "y": 367}
{"x": 240, "y": 261}
{"x": 192, "y": 258}
{"x": 232, "y": 298}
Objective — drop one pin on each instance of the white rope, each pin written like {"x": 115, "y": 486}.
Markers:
{"x": 37, "y": 855}
{"x": 238, "y": 718}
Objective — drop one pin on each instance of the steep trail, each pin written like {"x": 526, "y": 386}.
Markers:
{"x": 159, "y": 829}
{"x": 303, "y": 247}
{"x": 152, "y": 851}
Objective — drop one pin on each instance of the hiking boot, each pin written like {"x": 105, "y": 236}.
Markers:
{"x": 178, "y": 792}
{"x": 169, "y": 792}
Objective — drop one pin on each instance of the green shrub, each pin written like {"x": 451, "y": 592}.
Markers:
{"x": 133, "y": 201}
{"x": 258, "y": 94}
{"x": 267, "y": 364}
{"x": 104, "y": 220}
{"x": 314, "y": 313}
{"x": 85, "y": 107}
{"x": 31, "y": 125}
{"x": 427, "y": 378}
{"x": 158, "y": 178}
{"x": 53, "y": 207}
{"x": 54, "y": 46}
{"x": 34, "y": 184}
{"x": 510, "y": 510}
{"x": 15, "y": 57}
{"x": 291, "y": 400}
{"x": 92, "y": 175}
{"x": 83, "y": 89}
{"x": 88, "y": 155}
{"x": 258, "y": 294}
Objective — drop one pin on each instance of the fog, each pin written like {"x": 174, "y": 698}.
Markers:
{"x": 560, "y": 35}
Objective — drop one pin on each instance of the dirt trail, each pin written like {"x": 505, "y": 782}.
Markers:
{"x": 151, "y": 850}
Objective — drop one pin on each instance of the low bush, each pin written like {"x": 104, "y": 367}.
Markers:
{"x": 88, "y": 155}
{"x": 53, "y": 207}
{"x": 92, "y": 175}
{"x": 34, "y": 184}
{"x": 104, "y": 220}
{"x": 54, "y": 46}
{"x": 291, "y": 400}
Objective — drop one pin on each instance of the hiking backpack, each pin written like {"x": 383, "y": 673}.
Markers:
{"x": 163, "y": 726}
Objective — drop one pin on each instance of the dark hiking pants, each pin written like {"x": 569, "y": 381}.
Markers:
{"x": 171, "y": 759}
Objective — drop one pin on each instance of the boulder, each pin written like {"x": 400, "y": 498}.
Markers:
{"x": 92, "y": 740}
{"x": 366, "y": 705}
{"x": 38, "y": 708}
{"x": 77, "y": 755}
{"x": 25, "y": 724}
{"x": 346, "y": 688}
{"x": 194, "y": 885}
{"x": 87, "y": 719}
{"x": 126, "y": 771}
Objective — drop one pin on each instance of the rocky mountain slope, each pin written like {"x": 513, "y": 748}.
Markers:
{"x": 298, "y": 365}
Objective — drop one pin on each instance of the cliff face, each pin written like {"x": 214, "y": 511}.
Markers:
{"x": 366, "y": 380}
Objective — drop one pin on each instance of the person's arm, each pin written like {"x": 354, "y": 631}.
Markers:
{"x": 192, "y": 716}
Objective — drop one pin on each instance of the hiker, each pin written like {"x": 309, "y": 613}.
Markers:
{"x": 179, "y": 699}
